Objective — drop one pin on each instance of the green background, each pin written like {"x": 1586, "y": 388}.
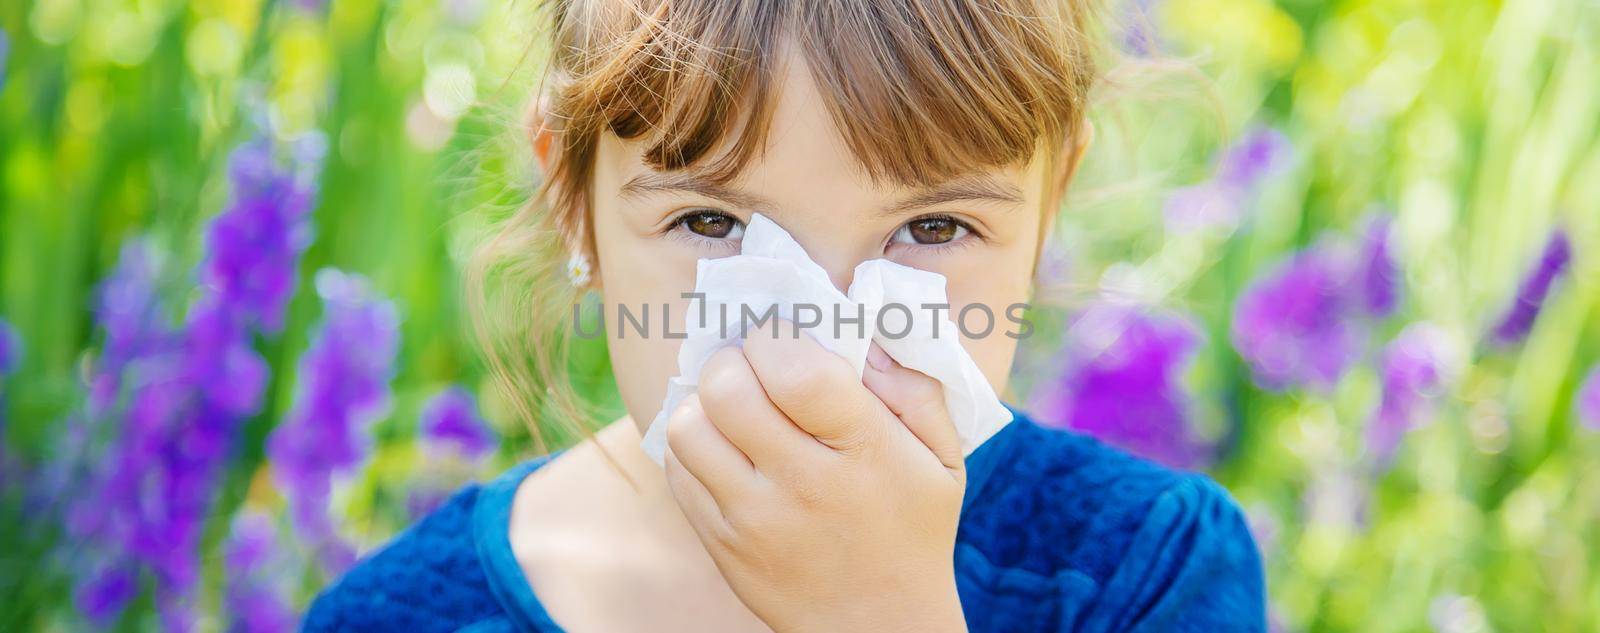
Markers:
{"x": 1474, "y": 122}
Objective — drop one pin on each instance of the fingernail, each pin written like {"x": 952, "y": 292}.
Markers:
{"x": 686, "y": 407}
{"x": 877, "y": 358}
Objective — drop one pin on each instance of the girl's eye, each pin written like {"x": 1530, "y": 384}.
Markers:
{"x": 930, "y": 231}
{"x": 712, "y": 224}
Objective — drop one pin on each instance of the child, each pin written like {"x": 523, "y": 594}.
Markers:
{"x": 797, "y": 496}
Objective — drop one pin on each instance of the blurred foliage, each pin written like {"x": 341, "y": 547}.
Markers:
{"x": 1475, "y": 124}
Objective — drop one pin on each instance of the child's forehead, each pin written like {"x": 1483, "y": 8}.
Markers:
{"x": 808, "y": 158}
{"x": 794, "y": 173}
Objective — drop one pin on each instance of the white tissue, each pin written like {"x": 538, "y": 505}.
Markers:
{"x": 773, "y": 270}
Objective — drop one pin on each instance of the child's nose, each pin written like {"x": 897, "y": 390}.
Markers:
{"x": 836, "y": 254}
{"x": 842, "y": 275}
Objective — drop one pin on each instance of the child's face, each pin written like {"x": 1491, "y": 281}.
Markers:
{"x": 981, "y": 232}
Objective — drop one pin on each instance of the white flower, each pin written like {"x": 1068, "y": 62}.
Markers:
{"x": 578, "y": 270}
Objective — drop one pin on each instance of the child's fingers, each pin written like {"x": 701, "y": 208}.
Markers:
{"x": 705, "y": 453}
{"x": 736, "y": 403}
{"x": 919, "y": 403}
{"x": 696, "y": 502}
{"x": 814, "y": 387}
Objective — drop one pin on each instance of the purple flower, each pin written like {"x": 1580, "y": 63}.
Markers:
{"x": 10, "y": 358}
{"x": 5, "y": 55}
{"x": 104, "y": 595}
{"x": 1588, "y": 404}
{"x": 1414, "y": 369}
{"x": 170, "y": 401}
{"x": 1121, "y": 381}
{"x": 1239, "y": 171}
{"x": 119, "y": 431}
{"x": 175, "y": 611}
{"x": 130, "y": 312}
{"x": 10, "y": 349}
{"x": 343, "y": 387}
{"x": 454, "y": 442}
{"x": 1294, "y": 325}
{"x": 1380, "y": 275}
{"x": 1518, "y": 319}
{"x": 251, "y": 545}
{"x": 252, "y": 248}
{"x": 255, "y": 599}
{"x": 1256, "y": 155}
{"x": 237, "y": 376}
{"x": 450, "y": 419}
{"x": 1141, "y": 37}
{"x": 1208, "y": 204}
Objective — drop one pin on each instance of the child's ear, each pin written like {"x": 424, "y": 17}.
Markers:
{"x": 1072, "y": 158}
{"x": 540, "y": 137}
{"x": 579, "y": 243}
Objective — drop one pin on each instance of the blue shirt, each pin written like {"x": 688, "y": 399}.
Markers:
{"x": 1058, "y": 532}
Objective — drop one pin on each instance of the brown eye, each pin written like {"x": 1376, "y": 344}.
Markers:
{"x": 713, "y": 225}
{"x": 930, "y": 231}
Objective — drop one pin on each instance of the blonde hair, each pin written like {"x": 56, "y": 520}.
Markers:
{"x": 921, "y": 91}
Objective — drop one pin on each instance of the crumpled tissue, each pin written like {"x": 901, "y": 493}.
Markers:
{"x": 773, "y": 271}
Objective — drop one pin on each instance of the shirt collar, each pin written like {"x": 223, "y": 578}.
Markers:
{"x": 987, "y": 457}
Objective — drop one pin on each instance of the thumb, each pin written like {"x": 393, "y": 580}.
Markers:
{"x": 919, "y": 403}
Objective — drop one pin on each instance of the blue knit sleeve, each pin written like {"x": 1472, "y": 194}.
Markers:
{"x": 1191, "y": 566}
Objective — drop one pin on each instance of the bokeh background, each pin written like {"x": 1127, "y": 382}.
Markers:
{"x": 1337, "y": 254}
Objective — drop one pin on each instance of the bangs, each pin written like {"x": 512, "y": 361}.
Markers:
{"x": 920, "y": 90}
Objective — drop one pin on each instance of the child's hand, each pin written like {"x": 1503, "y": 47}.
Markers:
{"x": 828, "y": 504}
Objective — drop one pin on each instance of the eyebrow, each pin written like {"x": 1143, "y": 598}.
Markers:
{"x": 976, "y": 188}
{"x": 659, "y": 182}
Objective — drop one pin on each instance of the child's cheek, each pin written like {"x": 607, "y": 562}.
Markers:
{"x": 986, "y": 303}
{"x": 645, "y": 278}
